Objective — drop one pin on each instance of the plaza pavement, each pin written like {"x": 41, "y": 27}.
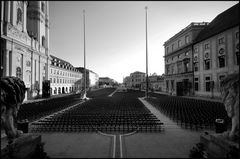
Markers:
{"x": 172, "y": 142}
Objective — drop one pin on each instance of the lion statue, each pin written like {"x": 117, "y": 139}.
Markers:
{"x": 230, "y": 98}
{"x": 12, "y": 95}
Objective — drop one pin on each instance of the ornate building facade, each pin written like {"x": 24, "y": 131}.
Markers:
{"x": 178, "y": 60}
{"x": 25, "y": 43}
{"x": 64, "y": 78}
{"x": 216, "y": 53}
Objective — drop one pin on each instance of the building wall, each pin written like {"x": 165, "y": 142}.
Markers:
{"x": 178, "y": 60}
{"x": 21, "y": 54}
{"x": 230, "y": 48}
{"x": 136, "y": 79}
{"x": 64, "y": 78}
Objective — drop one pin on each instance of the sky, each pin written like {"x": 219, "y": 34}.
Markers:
{"x": 116, "y": 32}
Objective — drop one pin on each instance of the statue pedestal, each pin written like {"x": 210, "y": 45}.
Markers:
{"x": 22, "y": 147}
{"x": 217, "y": 146}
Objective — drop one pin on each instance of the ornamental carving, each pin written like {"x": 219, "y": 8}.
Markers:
{"x": 28, "y": 63}
{"x": 18, "y": 35}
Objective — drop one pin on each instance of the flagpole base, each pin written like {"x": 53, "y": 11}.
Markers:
{"x": 84, "y": 97}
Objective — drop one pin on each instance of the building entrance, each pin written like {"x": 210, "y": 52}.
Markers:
{"x": 179, "y": 90}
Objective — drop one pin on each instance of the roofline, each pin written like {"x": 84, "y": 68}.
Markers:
{"x": 189, "y": 27}
{"x": 195, "y": 42}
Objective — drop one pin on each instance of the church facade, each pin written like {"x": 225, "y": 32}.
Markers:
{"x": 25, "y": 43}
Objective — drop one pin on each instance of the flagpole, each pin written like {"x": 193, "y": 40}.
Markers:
{"x": 146, "y": 93}
{"x": 84, "y": 47}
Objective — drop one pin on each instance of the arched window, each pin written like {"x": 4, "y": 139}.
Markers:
{"x": 19, "y": 72}
{"x": 19, "y": 15}
{"x": 43, "y": 7}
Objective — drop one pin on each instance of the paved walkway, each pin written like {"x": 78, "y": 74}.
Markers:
{"x": 173, "y": 142}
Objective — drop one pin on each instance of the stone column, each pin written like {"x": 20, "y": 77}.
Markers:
{"x": 25, "y": 16}
{"x": 6, "y": 62}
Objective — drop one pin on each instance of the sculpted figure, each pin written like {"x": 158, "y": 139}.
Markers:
{"x": 230, "y": 98}
{"x": 12, "y": 95}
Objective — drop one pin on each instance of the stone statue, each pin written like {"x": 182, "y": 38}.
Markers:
{"x": 12, "y": 95}
{"x": 230, "y": 98}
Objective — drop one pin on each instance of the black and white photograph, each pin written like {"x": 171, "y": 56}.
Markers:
{"x": 119, "y": 79}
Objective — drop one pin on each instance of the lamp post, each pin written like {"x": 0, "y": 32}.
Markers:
{"x": 146, "y": 93}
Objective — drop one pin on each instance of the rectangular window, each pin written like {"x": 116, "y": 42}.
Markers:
{"x": 196, "y": 84}
{"x": 42, "y": 7}
{"x": 172, "y": 85}
{"x": 196, "y": 66}
{"x": 167, "y": 85}
{"x": 237, "y": 57}
{"x": 237, "y": 35}
{"x": 207, "y": 84}
{"x": 207, "y": 64}
{"x": 195, "y": 50}
{"x": 221, "y": 77}
{"x": 221, "y": 40}
{"x": 167, "y": 49}
{"x": 179, "y": 43}
{"x": 187, "y": 39}
{"x": 179, "y": 67}
{"x": 221, "y": 61}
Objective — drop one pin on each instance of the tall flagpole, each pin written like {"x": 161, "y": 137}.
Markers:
{"x": 84, "y": 95}
{"x": 146, "y": 93}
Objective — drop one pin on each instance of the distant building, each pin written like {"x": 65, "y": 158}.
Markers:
{"x": 216, "y": 52}
{"x": 178, "y": 60}
{"x": 127, "y": 82}
{"x": 106, "y": 82}
{"x": 156, "y": 83}
{"x": 64, "y": 78}
{"x": 91, "y": 78}
{"x": 25, "y": 43}
{"x": 136, "y": 79}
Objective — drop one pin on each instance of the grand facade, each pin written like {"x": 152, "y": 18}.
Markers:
{"x": 209, "y": 52}
{"x": 216, "y": 53}
{"x": 178, "y": 60}
{"x": 25, "y": 43}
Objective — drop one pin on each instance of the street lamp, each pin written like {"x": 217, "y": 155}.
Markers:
{"x": 146, "y": 93}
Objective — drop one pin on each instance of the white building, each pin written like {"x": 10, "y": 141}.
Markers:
{"x": 64, "y": 78}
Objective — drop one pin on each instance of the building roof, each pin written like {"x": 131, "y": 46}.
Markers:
{"x": 226, "y": 20}
{"x": 187, "y": 29}
{"x": 138, "y": 72}
{"x": 61, "y": 61}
